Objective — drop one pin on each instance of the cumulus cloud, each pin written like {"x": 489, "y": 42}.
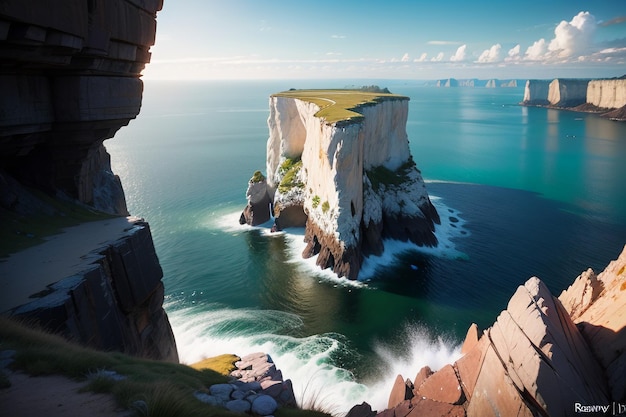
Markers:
{"x": 514, "y": 53}
{"x": 573, "y": 38}
{"x": 459, "y": 54}
{"x": 438, "y": 58}
{"x": 536, "y": 51}
{"x": 405, "y": 57}
{"x": 491, "y": 55}
{"x": 422, "y": 57}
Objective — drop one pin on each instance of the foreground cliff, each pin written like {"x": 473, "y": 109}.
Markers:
{"x": 338, "y": 163}
{"x": 69, "y": 78}
{"x": 605, "y": 96}
{"x": 544, "y": 356}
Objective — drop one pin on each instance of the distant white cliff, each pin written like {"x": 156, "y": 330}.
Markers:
{"x": 607, "y": 94}
{"x": 604, "y": 96}
{"x": 351, "y": 181}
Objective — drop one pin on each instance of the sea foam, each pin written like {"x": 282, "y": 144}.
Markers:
{"x": 206, "y": 331}
{"x": 452, "y": 228}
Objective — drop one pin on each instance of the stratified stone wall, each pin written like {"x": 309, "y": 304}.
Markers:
{"x": 114, "y": 303}
{"x": 69, "y": 77}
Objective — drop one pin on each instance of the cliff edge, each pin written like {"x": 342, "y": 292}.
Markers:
{"x": 544, "y": 356}
{"x": 339, "y": 164}
{"x": 70, "y": 79}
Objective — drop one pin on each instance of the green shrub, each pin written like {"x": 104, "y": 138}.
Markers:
{"x": 290, "y": 178}
{"x": 316, "y": 201}
{"x": 382, "y": 175}
{"x": 257, "y": 177}
{"x": 325, "y": 206}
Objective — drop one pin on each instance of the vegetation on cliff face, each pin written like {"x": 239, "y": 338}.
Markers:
{"x": 340, "y": 104}
{"x": 382, "y": 175}
{"x": 290, "y": 169}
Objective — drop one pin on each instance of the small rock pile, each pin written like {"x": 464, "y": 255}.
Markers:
{"x": 258, "y": 388}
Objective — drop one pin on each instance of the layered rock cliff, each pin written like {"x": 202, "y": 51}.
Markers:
{"x": 606, "y": 97}
{"x": 351, "y": 181}
{"x": 544, "y": 356}
{"x": 69, "y": 76}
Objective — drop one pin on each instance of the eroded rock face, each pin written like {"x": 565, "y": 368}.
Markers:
{"x": 542, "y": 356}
{"x": 69, "y": 80}
{"x": 351, "y": 183}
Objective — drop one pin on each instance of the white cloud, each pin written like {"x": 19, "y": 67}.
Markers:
{"x": 405, "y": 57}
{"x": 514, "y": 53}
{"x": 459, "y": 55}
{"x": 438, "y": 58}
{"x": 422, "y": 57}
{"x": 573, "y": 38}
{"x": 491, "y": 55}
{"x": 536, "y": 51}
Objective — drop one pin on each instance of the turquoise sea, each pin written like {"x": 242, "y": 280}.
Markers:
{"x": 522, "y": 192}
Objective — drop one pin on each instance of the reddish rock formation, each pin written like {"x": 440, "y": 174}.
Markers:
{"x": 541, "y": 357}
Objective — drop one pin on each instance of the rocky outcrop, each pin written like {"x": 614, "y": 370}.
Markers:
{"x": 113, "y": 299}
{"x": 607, "y": 94}
{"x": 543, "y": 356}
{"x": 258, "y": 388}
{"x": 351, "y": 181}
{"x": 536, "y": 93}
{"x": 70, "y": 79}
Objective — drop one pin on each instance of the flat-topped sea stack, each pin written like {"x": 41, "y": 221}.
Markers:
{"x": 339, "y": 164}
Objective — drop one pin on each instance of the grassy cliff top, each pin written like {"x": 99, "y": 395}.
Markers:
{"x": 338, "y": 105}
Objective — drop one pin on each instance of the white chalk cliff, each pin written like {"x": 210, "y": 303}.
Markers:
{"x": 351, "y": 182}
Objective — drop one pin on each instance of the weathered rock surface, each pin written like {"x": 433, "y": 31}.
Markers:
{"x": 601, "y": 318}
{"x": 351, "y": 183}
{"x": 112, "y": 301}
{"x": 69, "y": 80}
{"x": 258, "y": 209}
{"x": 536, "y": 93}
{"x": 542, "y": 356}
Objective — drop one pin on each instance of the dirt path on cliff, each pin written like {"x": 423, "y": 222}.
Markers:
{"x": 53, "y": 396}
{"x": 60, "y": 256}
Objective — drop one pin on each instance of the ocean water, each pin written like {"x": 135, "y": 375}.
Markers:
{"x": 521, "y": 191}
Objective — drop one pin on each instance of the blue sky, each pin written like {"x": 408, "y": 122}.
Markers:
{"x": 259, "y": 39}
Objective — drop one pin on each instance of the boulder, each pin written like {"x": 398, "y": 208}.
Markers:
{"x": 361, "y": 410}
{"x": 471, "y": 338}
{"x": 421, "y": 376}
{"x": 402, "y": 390}
{"x": 264, "y": 405}
{"x": 442, "y": 386}
{"x": 468, "y": 366}
{"x": 238, "y": 406}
